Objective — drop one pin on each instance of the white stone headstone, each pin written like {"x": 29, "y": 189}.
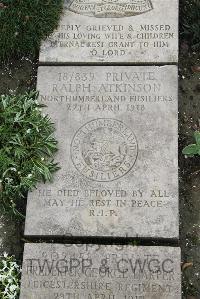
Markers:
{"x": 117, "y": 132}
{"x": 110, "y": 31}
{"x": 57, "y": 271}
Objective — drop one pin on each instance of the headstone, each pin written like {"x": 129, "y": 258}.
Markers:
{"x": 110, "y": 31}
{"x": 57, "y": 271}
{"x": 117, "y": 133}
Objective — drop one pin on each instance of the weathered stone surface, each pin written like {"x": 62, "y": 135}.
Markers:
{"x": 115, "y": 31}
{"x": 100, "y": 272}
{"x": 117, "y": 133}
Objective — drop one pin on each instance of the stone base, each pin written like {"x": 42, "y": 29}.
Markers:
{"x": 85, "y": 271}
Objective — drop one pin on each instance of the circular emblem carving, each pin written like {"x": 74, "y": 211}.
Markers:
{"x": 104, "y": 149}
{"x": 109, "y": 8}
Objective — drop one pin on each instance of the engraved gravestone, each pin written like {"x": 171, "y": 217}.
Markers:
{"x": 57, "y": 271}
{"x": 117, "y": 133}
{"x": 109, "y": 8}
{"x": 115, "y": 31}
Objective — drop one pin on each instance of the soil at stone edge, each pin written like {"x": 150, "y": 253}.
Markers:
{"x": 189, "y": 121}
{"x": 21, "y": 75}
{"x": 17, "y": 76}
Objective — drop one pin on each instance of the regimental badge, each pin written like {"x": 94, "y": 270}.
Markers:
{"x": 104, "y": 149}
{"x": 109, "y": 8}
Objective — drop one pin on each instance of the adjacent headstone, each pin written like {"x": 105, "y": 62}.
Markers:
{"x": 100, "y": 272}
{"x": 117, "y": 132}
{"x": 110, "y": 31}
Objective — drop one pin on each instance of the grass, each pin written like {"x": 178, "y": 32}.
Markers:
{"x": 24, "y": 23}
